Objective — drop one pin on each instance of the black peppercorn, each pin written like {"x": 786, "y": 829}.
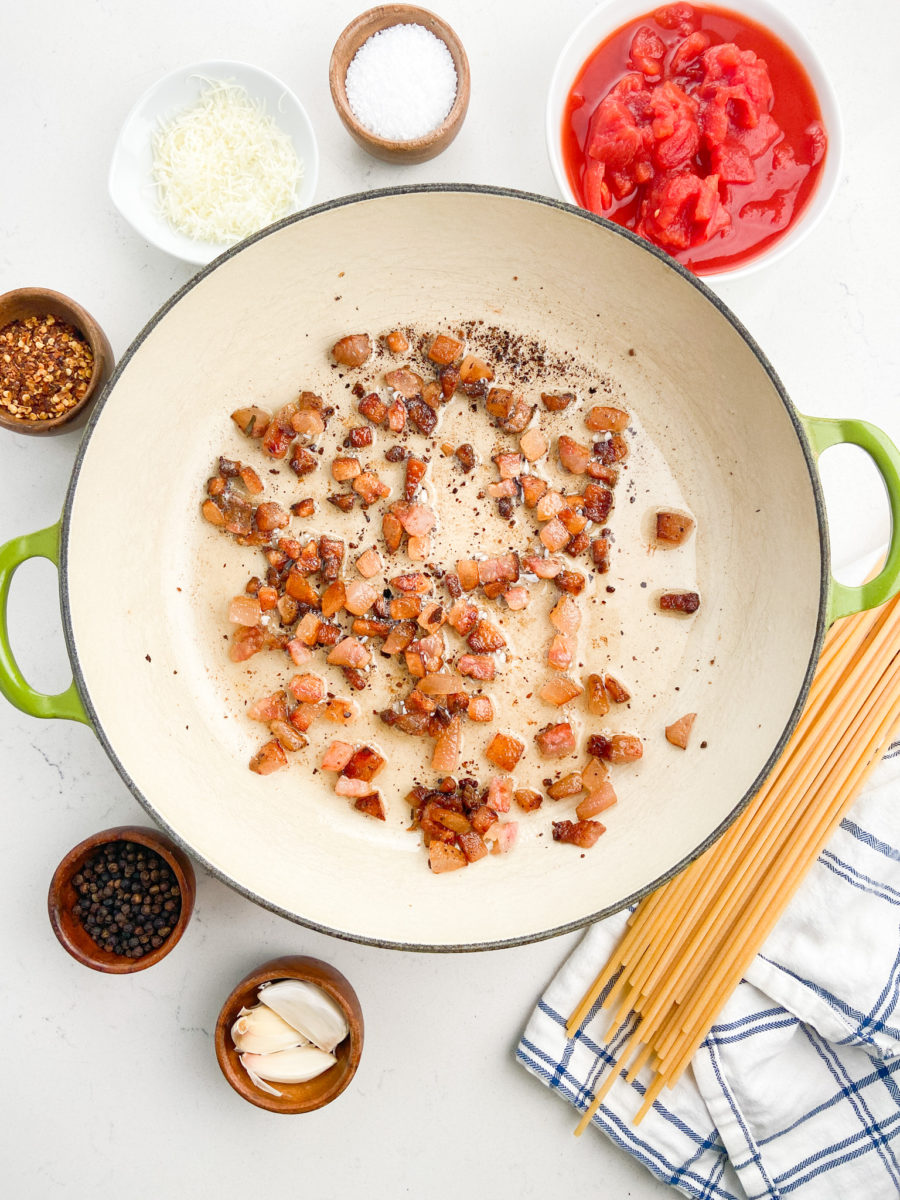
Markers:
{"x": 118, "y": 916}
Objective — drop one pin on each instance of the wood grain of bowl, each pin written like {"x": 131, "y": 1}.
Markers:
{"x": 295, "y": 1097}
{"x": 62, "y": 896}
{"x": 374, "y": 20}
{"x": 25, "y": 302}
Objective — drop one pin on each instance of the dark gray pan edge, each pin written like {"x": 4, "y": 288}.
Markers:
{"x": 824, "y": 582}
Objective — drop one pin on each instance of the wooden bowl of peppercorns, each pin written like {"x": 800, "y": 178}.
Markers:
{"x": 120, "y": 900}
{"x": 54, "y": 361}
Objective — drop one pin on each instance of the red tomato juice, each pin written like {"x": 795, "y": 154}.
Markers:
{"x": 785, "y": 175}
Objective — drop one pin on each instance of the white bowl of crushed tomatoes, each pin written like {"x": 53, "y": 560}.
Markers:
{"x": 715, "y": 134}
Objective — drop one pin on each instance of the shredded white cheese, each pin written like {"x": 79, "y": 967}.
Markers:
{"x": 223, "y": 168}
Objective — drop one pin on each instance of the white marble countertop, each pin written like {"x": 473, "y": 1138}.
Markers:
{"x": 112, "y": 1082}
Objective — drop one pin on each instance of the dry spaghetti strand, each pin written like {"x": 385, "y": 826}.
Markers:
{"x": 687, "y": 945}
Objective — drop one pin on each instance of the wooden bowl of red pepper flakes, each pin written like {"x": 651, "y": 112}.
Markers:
{"x": 54, "y": 360}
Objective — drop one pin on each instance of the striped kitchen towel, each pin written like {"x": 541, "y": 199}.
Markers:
{"x": 796, "y": 1090}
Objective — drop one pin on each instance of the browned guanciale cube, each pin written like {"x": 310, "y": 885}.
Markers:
{"x": 443, "y": 857}
{"x": 598, "y": 503}
{"x": 555, "y": 401}
{"x": 597, "y": 699}
{"x": 684, "y": 602}
{"x": 613, "y": 450}
{"x": 480, "y": 709}
{"x": 270, "y": 757}
{"x": 569, "y": 785}
{"x": 504, "y": 751}
{"x": 573, "y": 456}
{"x": 365, "y": 764}
{"x": 600, "y": 554}
{"x": 369, "y": 488}
{"x": 672, "y": 528}
{"x": 404, "y": 381}
{"x": 528, "y": 800}
{"x": 556, "y": 741}
{"x": 578, "y": 833}
{"x": 617, "y": 692}
{"x": 445, "y": 350}
{"x": 571, "y": 582}
{"x": 372, "y": 805}
{"x": 679, "y": 732}
{"x": 343, "y": 469}
{"x": 475, "y": 370}
{"x": 331, "y": 552}
{"x": 415, "y": 473}
{"x": 620, "y": 748}
{"x": 472, "y": 845}
{"x": 373, "y": 408}
{"x": 485, "y": 638}
{"x": 252, "y": 422}
{"x": 602, "y": 419}
{"x": 353, "y": 350}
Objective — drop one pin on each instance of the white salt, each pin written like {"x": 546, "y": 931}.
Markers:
{"x": 401, "y": 82}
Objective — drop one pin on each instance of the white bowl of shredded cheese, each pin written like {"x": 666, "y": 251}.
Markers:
{"x": 210, "y": 154}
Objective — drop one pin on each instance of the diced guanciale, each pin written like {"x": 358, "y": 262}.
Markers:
{"x": 568, "y": 785}
{"x": 556, "y": 741}
{"x": 672, "y": 528}
{"x": 679, "y": 732}
{"x": 443, "y": 857}
{"x": 445, "y": 350}
{"x": 684, "y": 602}
{"x": 485, "y": 638}
{"x": 578, "y": 833}
{"x": 504, "y": 751}
{"x": 560, "y": 691}
{"x": 596, "y": 802}
{"x": 270, "y": 757}
{"x": 372, "y": 805}
{"x": 353, "y": 350}
{"x": 528, "y": 800}
{"x": 603, "y": 419}
{"x": 620, "y": 748}
{"x": 364, "y": 764}
{"x": 617, "y": 692}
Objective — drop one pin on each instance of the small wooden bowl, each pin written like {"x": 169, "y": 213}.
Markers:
{"x": 41, "y": 302}
{"x": 415, "y": 150}
{"x": 62, "y": 897}
{"x": 296, "y": 1097}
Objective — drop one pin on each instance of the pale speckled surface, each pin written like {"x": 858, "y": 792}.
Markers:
{"x": 77, "y": 1043}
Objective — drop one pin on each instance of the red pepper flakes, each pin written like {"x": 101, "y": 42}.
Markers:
{"x": 45, "y": 368}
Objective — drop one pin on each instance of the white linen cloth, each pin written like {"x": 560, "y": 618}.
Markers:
{"x": 796, "y": 1090}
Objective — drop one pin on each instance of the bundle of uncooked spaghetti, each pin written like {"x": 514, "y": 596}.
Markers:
{"x": 688, "y": 944}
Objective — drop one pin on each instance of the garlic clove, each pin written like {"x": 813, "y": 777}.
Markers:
{"x": 296, "y": 1065}
{"x": 258, "y": 1080}
{"x": 260, "y": 1030}
{"x": 309, "y": 1009}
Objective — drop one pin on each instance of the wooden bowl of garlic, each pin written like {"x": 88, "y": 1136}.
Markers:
{"x": 290, "y": 1036}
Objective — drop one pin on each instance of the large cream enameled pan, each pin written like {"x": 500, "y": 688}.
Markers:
{"x": 144, "y": 580}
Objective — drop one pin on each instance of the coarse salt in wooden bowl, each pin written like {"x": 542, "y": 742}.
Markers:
{"x": 22, "y": 303}
{"x": 314, "y": 1093}
{"x": 375, "y": 20}
{"x": 62, "y": 897}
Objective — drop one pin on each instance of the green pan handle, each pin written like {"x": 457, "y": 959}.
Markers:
{"x": 822, "y": 433}
{"x": 43, "y": 544}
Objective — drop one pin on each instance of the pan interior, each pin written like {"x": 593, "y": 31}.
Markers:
{"x": 148, "y": 581}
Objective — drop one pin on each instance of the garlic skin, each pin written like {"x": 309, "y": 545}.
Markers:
{"x": 296, "y": 1065}
{"x": 260, "y": 1030}
{"x": 309, "y": 1010}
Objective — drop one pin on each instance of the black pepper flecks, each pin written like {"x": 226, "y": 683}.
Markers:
{"x": 129, "y": 899}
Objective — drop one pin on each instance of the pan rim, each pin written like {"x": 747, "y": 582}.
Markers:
{"x": 671, "y": 264}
